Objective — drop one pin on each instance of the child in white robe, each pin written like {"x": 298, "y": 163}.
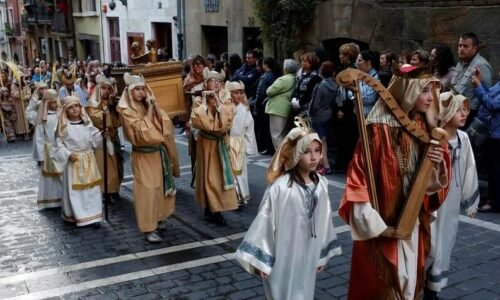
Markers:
{"x": 241, "y": 139}
{"x": 292, "y": 237}
{"x": 50, "y": 183}
{"x": 463, "y": 193}
{"x": 76, "y": 139}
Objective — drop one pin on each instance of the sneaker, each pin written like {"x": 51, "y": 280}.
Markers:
{"x": 152, "y": 237}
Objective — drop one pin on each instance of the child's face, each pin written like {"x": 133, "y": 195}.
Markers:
{"x": 73, "y": 112}
{"x": 310, "y": 159}
{"x": 237, "y": 95}
{"x": 459, "y": 117}
{"x": 138, "y": 93}
{"x": 425, "y": 99}
{"x": 52, "y": 105}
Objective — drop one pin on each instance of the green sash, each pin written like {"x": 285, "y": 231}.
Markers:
{"x": 224, "y": 159}
{"x": 168, "y": 179}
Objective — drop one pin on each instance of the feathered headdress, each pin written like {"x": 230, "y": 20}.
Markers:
{"x": 292, "y": 148}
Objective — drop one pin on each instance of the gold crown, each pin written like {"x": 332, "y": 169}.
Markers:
{"x": 304, "y": 123}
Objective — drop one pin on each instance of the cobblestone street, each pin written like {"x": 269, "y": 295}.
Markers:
{"x": 41, "y": 257}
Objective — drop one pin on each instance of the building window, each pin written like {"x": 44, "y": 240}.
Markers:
{"x": 82, "y": 6}
{"x": 114, "y": 39}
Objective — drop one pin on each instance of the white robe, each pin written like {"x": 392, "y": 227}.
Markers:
{"x": 49, "y": 187}
{"x": 463, "y": 193}
{"x": 82, "y": 207}
{"x": 280, "y": 243}
{"x": 243, "y": 130}
{"x": 32, "y": 109}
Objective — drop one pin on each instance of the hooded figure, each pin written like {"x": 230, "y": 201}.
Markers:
{"x": 212, "y": 115}
{"x": 292, "y": 237}
{"x": 102, "y": 101}
{"x": 154, "y": 155}
{"x": 50, "y": 185}
{"x": 381, "y": 267}
{"x": 73, "y": 154}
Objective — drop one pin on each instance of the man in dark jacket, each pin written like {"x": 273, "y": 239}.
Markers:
{"x": 248, "y": 74}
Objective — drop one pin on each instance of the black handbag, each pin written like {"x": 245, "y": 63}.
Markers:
{"x": 478, "y": 132}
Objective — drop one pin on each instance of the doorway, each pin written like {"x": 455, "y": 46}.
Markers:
{"x": 163, "y": 37}
{"x": 214, "y": 40}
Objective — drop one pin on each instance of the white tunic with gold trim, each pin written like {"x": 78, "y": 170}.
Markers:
{"x": 82, "y": 202}
{"x": 50, "y": 182}
{"x": 242, "y": 143}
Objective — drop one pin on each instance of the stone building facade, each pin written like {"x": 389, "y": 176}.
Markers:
{"x": 406, "y": 24}
{"x": 213, "y": 26}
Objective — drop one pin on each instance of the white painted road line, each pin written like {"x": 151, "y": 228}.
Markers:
{"x": 74, "y": 288}
{"x": 117, "y": 259}
{"x": 480, "y": 223}
{"x": 128, "y": 257}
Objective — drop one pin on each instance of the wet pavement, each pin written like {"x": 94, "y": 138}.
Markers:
{"x": 42, "y": 257}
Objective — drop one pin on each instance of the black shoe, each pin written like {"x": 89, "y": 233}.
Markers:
{"x": 97, "y": 225}
{"x": 208, "y": 213}
{"x": 430, "y": 294}
{"x": 217, "y": 219}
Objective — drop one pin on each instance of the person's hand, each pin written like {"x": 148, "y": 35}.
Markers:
{"x": 472, "y": 215}
{"x": 73, "y": 157}
{"x": 261, "y": 274}
{"x": 435, "y": 154}
{"x": 105, "y": 133}
{"x": 477, "y": 77}
{"x": 340, "y": 115}
{"x": 320, "y": 269}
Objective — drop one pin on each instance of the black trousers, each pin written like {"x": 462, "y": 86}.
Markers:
{"x": 493, "y": 153}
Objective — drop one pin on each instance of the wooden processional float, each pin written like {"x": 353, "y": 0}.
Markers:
{"x": 350, "y": 79}
{"x": 164, "y": 78}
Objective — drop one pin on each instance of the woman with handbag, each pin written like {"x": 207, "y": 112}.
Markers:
{"x": 279, "y": 105}
{"x": 489, "y": 113}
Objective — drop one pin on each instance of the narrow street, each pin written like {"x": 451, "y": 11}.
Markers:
{"x": 42, "y": 257}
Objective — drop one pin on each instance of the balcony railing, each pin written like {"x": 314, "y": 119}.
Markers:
{"x": 38, "y": 12}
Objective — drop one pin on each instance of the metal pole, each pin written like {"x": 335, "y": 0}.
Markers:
{"x": 105, "y": 159}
